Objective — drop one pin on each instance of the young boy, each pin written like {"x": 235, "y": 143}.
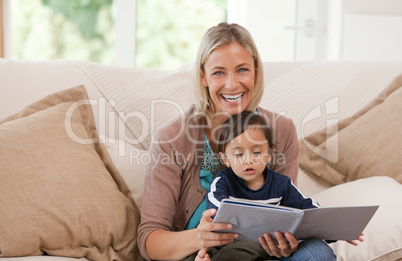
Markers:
{"x": 244, "y": 146}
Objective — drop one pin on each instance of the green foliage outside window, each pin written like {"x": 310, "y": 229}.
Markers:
{"x": 167, "y": 33}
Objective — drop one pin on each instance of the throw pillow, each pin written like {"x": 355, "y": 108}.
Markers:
{"x": 60, "y": 192}
{"x": 383, "y": 234}
{"x": 367, "y": 144}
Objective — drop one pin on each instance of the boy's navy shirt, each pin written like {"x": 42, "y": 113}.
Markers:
{"x": 278, "y": 189}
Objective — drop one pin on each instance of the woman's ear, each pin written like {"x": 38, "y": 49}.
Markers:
{"x": 203, "y": 79}
{"x": 225, "y": 158}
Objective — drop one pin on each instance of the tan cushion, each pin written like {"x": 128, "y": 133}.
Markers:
{"x": 60, "y": 192}
{"x": 383, "y": 234}
{"x": 367, "y": 144}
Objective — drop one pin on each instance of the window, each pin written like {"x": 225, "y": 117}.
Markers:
{"x": 143, "y": 33}
{"x": 53, "y": 29}
{"x": 169, "y": 32}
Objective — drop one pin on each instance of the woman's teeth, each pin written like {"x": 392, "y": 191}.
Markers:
{"x": 233, "y": 98}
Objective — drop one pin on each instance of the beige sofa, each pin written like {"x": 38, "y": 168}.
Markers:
{"x": 66, "y": 196}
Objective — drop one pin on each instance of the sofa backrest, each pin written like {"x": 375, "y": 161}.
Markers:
{"x": 137, "y": 101}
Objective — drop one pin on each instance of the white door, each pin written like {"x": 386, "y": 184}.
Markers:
{"x": 284, "y": 30}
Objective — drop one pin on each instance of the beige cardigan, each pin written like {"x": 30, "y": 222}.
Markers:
{"x": 172, "y": 189}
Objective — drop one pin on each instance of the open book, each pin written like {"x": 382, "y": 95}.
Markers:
{"x": 251, "y": 220}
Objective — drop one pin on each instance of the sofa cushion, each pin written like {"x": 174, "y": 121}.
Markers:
{"x": 367, "y": 144}
{"x": 60, "y": 192}
{"x": 144, "y": 98}
{"x": 383, "y": 234}
{"x": 131, "y": 163}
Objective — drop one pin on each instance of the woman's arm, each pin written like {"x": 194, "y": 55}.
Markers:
{"x": 287, "y": 156}
{"x": 169, "y": 200}
{"x": 169, "y": 245}
{"x": 285, "y": 160}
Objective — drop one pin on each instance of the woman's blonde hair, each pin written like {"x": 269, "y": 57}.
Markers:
{"x": 222, "y": 35}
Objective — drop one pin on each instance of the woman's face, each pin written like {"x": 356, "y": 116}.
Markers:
{"x": 230, "y": 78}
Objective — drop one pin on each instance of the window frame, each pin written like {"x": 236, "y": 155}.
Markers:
{"x": 1, "y": 30}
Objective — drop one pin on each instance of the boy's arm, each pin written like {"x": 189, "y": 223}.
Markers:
{"x": 294, "y": 198}
{"x": 219, "y": 190}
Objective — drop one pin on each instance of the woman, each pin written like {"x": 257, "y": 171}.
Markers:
{"x": 175, "y": 221}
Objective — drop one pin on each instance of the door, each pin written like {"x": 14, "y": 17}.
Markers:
{"x": 284, "y": 30}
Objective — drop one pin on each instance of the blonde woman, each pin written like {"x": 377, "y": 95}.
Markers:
{"x": 175, "y": 222}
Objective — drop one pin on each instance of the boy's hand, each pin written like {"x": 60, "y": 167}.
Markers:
{"x": 283, "y": 249}
{"x": 360, "y": 238}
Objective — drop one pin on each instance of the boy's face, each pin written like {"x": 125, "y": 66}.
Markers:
{"x": 247, "y": 155}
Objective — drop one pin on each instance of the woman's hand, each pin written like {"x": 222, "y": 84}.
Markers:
{"x": 283, "y": 249}
{"x": 206, "y": 238}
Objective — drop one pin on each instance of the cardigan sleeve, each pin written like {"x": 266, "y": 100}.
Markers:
{"x": 161, "y": 193}
{"x": 172, "y": 189}
{"x": 285, "y": 159}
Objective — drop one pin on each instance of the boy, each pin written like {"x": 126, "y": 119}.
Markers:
{"x": 244, "y": 146}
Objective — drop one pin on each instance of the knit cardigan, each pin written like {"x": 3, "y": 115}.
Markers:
{"x": 172, "y": 189}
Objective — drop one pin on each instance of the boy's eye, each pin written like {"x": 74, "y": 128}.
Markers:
{"x": 257, "y": 152}
{"x": 238, "y": 154}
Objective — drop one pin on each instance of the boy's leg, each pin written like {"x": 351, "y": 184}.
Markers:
{"x": 312, "y": 250}
{"x": 240, "y": 250}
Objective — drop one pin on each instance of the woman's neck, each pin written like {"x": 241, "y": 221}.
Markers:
{"x": 214, "y": 123}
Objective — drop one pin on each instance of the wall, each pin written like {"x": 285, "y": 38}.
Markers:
{"x": 279, "y": 28}
{"x": 371, "y": 30}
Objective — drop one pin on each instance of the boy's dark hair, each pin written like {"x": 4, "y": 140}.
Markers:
{"x": 238, "y": 123}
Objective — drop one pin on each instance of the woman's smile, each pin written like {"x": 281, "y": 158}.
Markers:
{"x": 233, "y": 98}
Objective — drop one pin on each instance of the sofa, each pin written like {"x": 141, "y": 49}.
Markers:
{"x": 74, "y": 137}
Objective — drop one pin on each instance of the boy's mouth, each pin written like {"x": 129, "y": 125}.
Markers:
{"x": 249, "y": 171}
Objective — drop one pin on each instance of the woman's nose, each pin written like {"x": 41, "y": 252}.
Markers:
{"x": 232, "y": 82}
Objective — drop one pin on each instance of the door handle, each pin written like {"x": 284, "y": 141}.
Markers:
{"x": 308, "y": 28}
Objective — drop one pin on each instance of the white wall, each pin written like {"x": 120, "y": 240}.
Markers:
{"x": 371, "y": 30}
{"x": 343, "y": 29}
{"x": 372, "y": 7}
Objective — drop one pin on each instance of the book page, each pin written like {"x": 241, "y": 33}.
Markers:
{"x": 335, "y": 223}
{"x": 251, "y": 221}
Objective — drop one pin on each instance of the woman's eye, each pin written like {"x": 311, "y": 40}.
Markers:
{"x": 218, "y": 73}
{"x": 243, "y": 70}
